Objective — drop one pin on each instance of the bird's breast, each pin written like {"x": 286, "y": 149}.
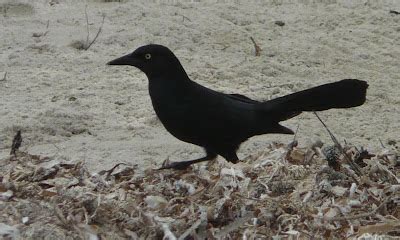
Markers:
{"x": 173, "y": 107}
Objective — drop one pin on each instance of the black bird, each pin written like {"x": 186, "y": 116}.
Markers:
{"x": 220, "y": 122}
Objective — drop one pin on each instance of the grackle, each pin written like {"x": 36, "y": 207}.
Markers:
{"x": 220, "y": 122}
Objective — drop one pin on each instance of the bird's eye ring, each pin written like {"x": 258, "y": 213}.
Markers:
{"x": 147, "y": 56}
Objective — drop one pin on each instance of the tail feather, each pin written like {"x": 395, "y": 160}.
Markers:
{"x": 346, "y": 93}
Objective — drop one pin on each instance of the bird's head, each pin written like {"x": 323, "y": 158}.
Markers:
{"x": 154, "y": 60}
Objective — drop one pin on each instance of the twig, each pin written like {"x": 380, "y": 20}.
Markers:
{"x": 184, "y": 17}
{"x": 16, "y": 143}
{"x": 109, "y": 172}
{"x": 88, "y": 45}
{"x": 97, "y": 207}
{"x": 336, "y": 142}
{"x": 383, "y": 146}
{"x": 87, "y": 26}
{"x": 47, "y": 28}
{"x": 256, "y": 47}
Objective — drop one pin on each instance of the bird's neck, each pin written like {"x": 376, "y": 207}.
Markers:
{"x": 170, "y": 68}
{"x": 172, "y": 75}
{"x": 169, "y": 88}
{"x": 169, "y": 84}
{"x": 168, "y": 78}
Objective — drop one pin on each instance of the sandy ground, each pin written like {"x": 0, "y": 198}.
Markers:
{"x": 70, "y": 105}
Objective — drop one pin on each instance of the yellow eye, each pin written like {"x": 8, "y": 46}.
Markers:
{"x": 147, "y": 56}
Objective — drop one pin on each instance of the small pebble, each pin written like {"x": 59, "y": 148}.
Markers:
{"x": 25, "y": 220}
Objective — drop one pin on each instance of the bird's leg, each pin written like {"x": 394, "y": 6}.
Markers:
{"x": 183, "y": 165}
{"x": 230, "y": 156}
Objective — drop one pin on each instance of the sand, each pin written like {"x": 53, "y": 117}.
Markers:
{"x": 69, "y": 105}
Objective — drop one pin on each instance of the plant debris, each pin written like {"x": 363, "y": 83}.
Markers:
{"x": 280, "y": 192}
{"x": 280, "y": 23}
{"x": 257, "y": 48}
{"x": 16, "y": 143}
{"x": 394, "y": 12}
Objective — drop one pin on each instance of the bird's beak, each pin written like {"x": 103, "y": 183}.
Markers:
{"x": 125, "y": 60}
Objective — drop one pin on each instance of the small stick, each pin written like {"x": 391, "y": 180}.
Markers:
{"x": 109, "y": 172}
{"x": 334, "y": 139}
{"x": 383, "y": 146}
{"x": 184, "y": 17}
{"x": 47, "y": 28}
{"x": 87, "y": 26}
{"x": 16, "y": 143}
{"x": 97, "y": 34}
{"x": 256, "y": 47}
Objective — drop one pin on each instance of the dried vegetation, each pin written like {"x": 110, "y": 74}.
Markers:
{"x": 283, "y": 191}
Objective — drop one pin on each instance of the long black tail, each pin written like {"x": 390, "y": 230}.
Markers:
{"x": 346, "y": 93}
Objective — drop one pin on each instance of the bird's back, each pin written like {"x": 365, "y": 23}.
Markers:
{"x": 196, "y": 114}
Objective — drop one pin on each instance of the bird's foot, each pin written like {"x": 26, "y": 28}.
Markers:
{"x": 184, "y": 165}
{"x": 175, "y": 165}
